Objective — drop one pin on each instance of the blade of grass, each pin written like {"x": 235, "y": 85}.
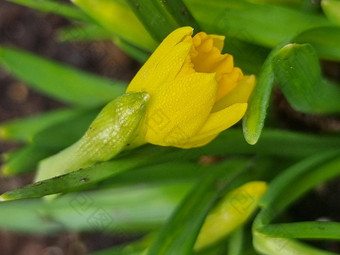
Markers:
{"x": 25, "y": 128}
{"x": 236, "y": 242}
{"x": 264, "y": 24}
{"x": 55, "y": 7}
{"x": 303, "y": 176}
{"x": 179, "y": 234}
{"x": 298, "y": 73}
{"x": 325, "y": 41}
{"x": 65, "y": 132}
{"x": 253, "y": 121}
{"x": 60, "y": 81}
{"x": 129, "y": 209}
{"x": 110, "y": 13}
{"x": 166, "y": 16}
{"x": 304, "y": 230}
{"x": 24, "y": 159}
{"x": 332, "y": 10}
{"x": 83, "y": 33}
{"x": 88, "y": 176}
{"x": 274, "y": 143}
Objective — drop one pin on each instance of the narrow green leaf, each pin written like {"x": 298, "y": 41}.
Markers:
{"x": 258, "y": 23}
{"x": 248, "y": 56}
{"x": 131, "y": 209}
{"x": 236, "y": 242}
{"x": 60, "y": 81}
{"x": 332, "y": 10}
{"x": 325, "y": 41}
{"x": 55, "y": 7}
{"x": 253, "y": 121}
{"x": 267, "y": 245}
{"x": 66, "y": 132}
{"x": 179, "y": 233}
{"x": 25, "y": 128}
{"x": 159, "y": 173}
{"x": 85, "y": 177}
{"x": 304, "y": 230}
{"x": 110, "y": 14}
{"x": 24, "y": 159}
{"x": 297, "y": 71}
{"x": 139, "y": 54}
{"x": 166, "y": 16}
{"x": 273, "y": 143}
{"x": 83, "y": 33}
{"x": 303, "y": 176}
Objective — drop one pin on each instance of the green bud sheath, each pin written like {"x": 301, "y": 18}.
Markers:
{"x": 108, "y": 135}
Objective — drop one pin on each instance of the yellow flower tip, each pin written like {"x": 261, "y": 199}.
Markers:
{"x": 256, "y": 188}
{"x": 2, "y": 199}
{"x": 185, "y": 77}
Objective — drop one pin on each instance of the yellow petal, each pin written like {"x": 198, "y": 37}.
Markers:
{"x": 148, "y": 80}
{"x": 240, "y": 94}
{"x": 164, "y": 63}
{"x": 221, "y": 120}
{"x": 179, "y": 109}
{"x": 195, "y": 142}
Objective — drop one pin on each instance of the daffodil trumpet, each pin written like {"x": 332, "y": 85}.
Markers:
{"x": 195, "y": 91}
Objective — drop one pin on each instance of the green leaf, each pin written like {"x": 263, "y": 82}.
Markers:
{"x": 24, "y": 159}
{"x": 83, "y": 33}
{"x": 304, "y": 230}
{"x": 110, "y": 14}
{"x": 297, "y": 71}
{"x": 55, "y": 7}
{"x": 166, "y": 16}
{"x": 25, "y": 128}
{"x": 86, "y": 177}
{"x": 66, "y": 132}
{"x": 60, "y": 81}
{"x": 257, "y": 23}
{"x": 273, "y": 143}
{"x": 253, "y": 120}
{"x": 325, "y": 41}
{"x": 249, "y": 57}
{"x": 131, "y": 209}
{"x": 332, "y": 10}
{"x": 303, "y": 176}
{"x": 139, "y": 54}
{"x": 179, "y": 233}
{"x": 236, "y": 242}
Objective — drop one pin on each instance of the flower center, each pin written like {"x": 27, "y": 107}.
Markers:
{"x": 205, "y": 56}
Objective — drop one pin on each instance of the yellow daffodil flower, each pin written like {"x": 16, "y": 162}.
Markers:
{"x": 195, "y": 91}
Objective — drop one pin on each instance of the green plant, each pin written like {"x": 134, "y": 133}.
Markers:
{"x": 281, "y": 42}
